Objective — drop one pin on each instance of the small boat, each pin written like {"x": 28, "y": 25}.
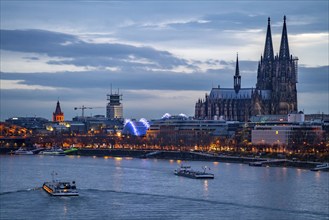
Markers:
{"x": 54, "y": 151}
{"x": 186, "y": 171}
{"x": 256, "y": 164}
{"x": 22, "y": 151}
{"x": 321, "y": 167}
{"x": 60, "y": 188}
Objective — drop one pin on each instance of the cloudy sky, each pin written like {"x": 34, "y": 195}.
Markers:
{"x": 162, "y": 55}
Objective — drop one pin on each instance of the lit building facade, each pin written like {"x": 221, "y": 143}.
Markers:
{"x": 185, "y": 131}
{"x": 287, "y": 131}
{"x": 286, "y": 134}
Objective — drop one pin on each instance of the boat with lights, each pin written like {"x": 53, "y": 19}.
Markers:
{"x": 321, "y": 167}
{"x": 22, "y": 151}
{"x": 54, "y": 151}
{"x": 186, "y": 171}
{"x": 60, "y": 188}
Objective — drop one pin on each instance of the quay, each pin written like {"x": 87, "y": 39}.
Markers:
{"x": 188, "y": 156}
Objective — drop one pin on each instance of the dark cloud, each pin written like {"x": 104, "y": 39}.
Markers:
{"x": 314, "y": 79}
{"x": 251, "y": 18}
{"x": 81, "y": 53}
{"x": 126, "y": 80}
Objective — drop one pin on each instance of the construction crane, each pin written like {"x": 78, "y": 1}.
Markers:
{"x": 83, "y": 109}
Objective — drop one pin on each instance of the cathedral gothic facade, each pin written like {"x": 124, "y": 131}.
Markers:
{"x": 275, "y": 92}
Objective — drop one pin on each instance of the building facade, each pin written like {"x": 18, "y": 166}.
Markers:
{"x": 180, "y": 130}
{"x": 275, "y": 91}
{"x": 286, "y": 134}
{"x": 114, "y": 108}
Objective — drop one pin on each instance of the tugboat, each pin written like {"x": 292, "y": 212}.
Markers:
{"x": 186, "y": 171}
{"x": 60, "y": 188}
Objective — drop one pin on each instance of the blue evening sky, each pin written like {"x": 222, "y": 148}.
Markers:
{"x": 162, "y": 55}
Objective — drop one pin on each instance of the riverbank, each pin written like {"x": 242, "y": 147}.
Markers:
{"x": 187, "y": 156}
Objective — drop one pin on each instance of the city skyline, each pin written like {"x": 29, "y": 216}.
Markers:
{"x": 163, "y": 56}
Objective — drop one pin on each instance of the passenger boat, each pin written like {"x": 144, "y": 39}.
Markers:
{"x": 22, "y": 151}
{"x": 54, "y": 151}
{"x": 60, "y": 188}
{"x": 186, "y": 171}
{"x": 321, "y": 167}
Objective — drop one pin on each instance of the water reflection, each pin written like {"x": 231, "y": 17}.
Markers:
{"x": 205, "y": 188}
{"x": 118, "y": 161}
{"x": 205, "y": 185}
{"x": 317, "y": 176}
{"x": 65, "y": 209}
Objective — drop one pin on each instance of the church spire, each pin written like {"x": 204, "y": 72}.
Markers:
{"x": 268, "y": 50}
{"x": 58, "y": 108}
{"x": 284, "y": 46}
{"x": 58, "y": 115}
{"x": 237, "y": 77}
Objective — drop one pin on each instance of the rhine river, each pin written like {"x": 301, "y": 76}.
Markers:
{"x": 127, "y": 188}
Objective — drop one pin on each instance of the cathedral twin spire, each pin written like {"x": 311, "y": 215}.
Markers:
{"x": 268, "y": 50}
{"x": 237, "y": 77}
{"x": 284, "y": 47}
{"x": 266, "y": 68}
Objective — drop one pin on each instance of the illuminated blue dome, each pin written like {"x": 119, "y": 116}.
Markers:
{"x": 166, "y": 116}
{"x": 136, "y": 128}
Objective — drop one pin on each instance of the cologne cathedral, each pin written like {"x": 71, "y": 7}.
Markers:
{"x": 275, "y": 92}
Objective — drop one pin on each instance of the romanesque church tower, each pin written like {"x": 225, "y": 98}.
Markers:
{"x": 58, "y": 115}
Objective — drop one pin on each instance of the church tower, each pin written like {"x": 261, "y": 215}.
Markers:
{"x": 284, "y": 95}
{"x": 58, "y": 115}
{"x": 237, "y": 77}
{"x": 266, "y": 64}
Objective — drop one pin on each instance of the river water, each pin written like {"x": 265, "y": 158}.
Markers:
{"x": 127, "y": 188}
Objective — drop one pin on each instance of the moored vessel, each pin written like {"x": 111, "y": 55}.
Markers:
{"x": 321, "y": 167}
{"x": 60, "y": 188}
{"x": 186, "y": 171}
{"x": 22, "y": 151}
{"x": 54, "y": 151}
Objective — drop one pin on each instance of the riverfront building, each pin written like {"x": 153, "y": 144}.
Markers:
{"x": 28, "y": 122}
{"x": 186, "y": 131}
{"x": 290, "y": 132}
{"x": 275, "y": 92}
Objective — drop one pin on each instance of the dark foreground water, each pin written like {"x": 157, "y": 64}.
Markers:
{"x": 126, "y": 188}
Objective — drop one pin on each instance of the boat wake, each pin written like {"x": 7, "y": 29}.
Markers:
{"x": 213, "y": 202}
{"x": 20, "y": 191}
